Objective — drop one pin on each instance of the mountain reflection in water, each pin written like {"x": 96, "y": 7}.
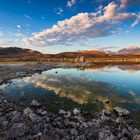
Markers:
{"x": 80, "y": 87}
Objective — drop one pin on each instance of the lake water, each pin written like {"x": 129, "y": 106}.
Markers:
{"x": 86, "y": 88}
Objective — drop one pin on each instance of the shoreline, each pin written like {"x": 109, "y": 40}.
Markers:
{"x": 9, "y": 72}
{"x": 34, "y": 122}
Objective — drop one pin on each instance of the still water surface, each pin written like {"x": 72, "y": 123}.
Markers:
{"x": 88, "y": 88}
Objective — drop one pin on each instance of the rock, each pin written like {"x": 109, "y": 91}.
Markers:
{"x": 81, "y": 137}
{"x": 72, "y": 123}
{"x": 121, "y": 111}
{"x": 135, "y": 131}
{"x": 19, "y": 129}
{"x": 125, "y": 132}
{"x": 105, "y": 118}
{"x": 63, "y": 112}
{"x": 119, "y": 120}
{"x": 136, "y": 137}
{"x": 106, "y": 112}
{"x": 5, "y": 123}
{"x": 104, "y": 134}
{"x": 90, "y": 123}
{"x": 74, "y": 132}
{"x": 111, "y": 137}
{"x": 76, "y": 111}
{"x": 29, "y": 113}
{"x": 68, "y": 114}
{"x": 33, "y": 117}
{"x": 42, "y": 112}
{"x": 35, "y": 103}
{"x": 84, "y": 124}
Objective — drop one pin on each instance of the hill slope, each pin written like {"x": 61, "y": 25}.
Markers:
{"x": 17, "y": 52}
{"x": 86, "y": 53}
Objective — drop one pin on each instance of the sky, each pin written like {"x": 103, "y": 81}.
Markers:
{"x": 53, "y": 26}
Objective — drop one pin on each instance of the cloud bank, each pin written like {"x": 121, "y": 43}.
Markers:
{"x": 83, "y": 26}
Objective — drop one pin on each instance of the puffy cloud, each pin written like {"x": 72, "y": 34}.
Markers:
{"x": 70, "y": 3}
{"x": 82, "y": 26}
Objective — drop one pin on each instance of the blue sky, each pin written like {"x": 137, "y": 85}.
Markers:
{"x": 53, "y": 26}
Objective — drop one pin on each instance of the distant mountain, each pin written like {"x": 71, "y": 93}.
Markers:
{"x": 17, "y": 52}
{"x": 133, "y": 50}
{"x": 20, "y": 52}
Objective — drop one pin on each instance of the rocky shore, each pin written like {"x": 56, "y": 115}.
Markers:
{"x": 35, "y": 123}
{"x": 12, "y": 71}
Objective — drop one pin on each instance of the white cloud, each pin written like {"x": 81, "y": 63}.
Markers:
{"x": 59, "y": 10}
{"x": 19, "y": 35}
{"x": 83, "y": 26}
{"x": 136, "y": 22}
{"x": 1, "y": 34}
{"x": 19, "y": 26}
{"x": 5, "y": 42}
{"x": 27, "y": 16}
{"x": 70, "y": 3}
{"x": 10, "y": 42}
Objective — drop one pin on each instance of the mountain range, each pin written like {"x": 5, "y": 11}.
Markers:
{"x": 19, "y": 52}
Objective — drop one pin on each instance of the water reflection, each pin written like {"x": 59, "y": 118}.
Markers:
{"x": 87, "y": 87}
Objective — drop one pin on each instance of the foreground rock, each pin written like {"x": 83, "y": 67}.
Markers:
{"x": 35, "y": 123}
{"x": 35, "y": 103}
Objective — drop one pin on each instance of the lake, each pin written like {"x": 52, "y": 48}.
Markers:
{"x": 86, "y": 88}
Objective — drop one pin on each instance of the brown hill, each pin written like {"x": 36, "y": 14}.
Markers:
{"x": 17, "y": 52}
{"x": 85, "y": 53}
